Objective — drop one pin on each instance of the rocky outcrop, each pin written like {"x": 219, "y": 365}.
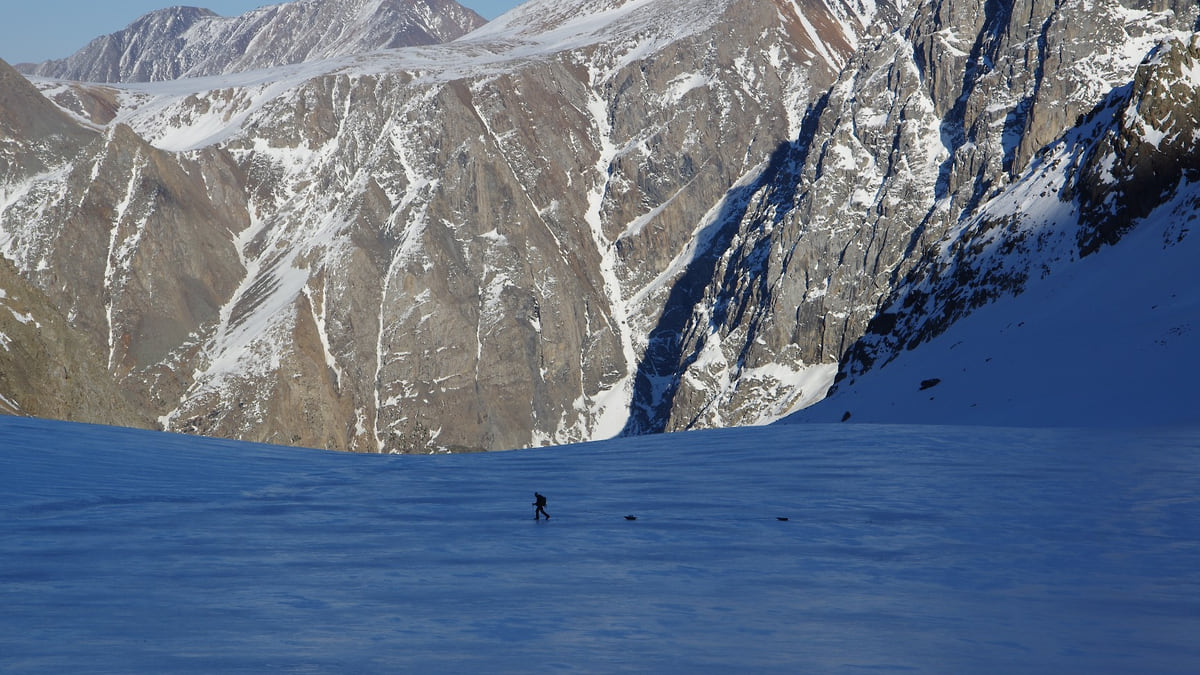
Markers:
{"x": 1151, "y": 146}
{"x": 190, "y": 42}
{"x": 48, "y": 369}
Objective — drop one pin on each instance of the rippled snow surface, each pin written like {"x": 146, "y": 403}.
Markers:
{"x": 934, "y": 549}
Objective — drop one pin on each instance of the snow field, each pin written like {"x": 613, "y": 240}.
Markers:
{"x": 936, "y": 549}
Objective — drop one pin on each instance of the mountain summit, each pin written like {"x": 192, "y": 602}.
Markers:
{"x": 189, "y": 42}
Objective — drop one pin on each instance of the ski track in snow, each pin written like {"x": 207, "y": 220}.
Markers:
{"x": 930, "y": 549}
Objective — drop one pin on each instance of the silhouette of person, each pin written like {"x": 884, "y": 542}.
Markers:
{"x": 539, "y": 501}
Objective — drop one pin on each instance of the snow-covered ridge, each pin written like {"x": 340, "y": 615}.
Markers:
{"x": 159, "y": 111}
{"x": 181, "y": 42}
{"x": 570, "y": 24}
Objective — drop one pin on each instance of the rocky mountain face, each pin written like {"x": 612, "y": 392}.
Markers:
{"x": 191, "y": 42}
{"x": 1136, "y": 150}
{"x": 582, "y": 219}
{"x": 47, "y": 369}
{"x": 455, "y": 247}
{"x": 926, "y": 124}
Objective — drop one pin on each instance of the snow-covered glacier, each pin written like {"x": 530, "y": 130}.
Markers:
{"x": 782, "y": 549}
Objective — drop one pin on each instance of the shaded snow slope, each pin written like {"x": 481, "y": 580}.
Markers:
{"x": 1106, "y": 339}
{"x": 906, "y": 548}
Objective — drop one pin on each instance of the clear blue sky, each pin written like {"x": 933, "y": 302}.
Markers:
{"x": 37, "y": 30}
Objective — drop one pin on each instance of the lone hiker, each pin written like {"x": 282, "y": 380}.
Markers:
{"x": 539, "y": 500}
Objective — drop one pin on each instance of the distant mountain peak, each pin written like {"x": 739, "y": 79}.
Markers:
{"x": 180, "y": 41}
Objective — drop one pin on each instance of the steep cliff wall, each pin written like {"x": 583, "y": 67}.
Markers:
{"x": 927, "y": 122}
